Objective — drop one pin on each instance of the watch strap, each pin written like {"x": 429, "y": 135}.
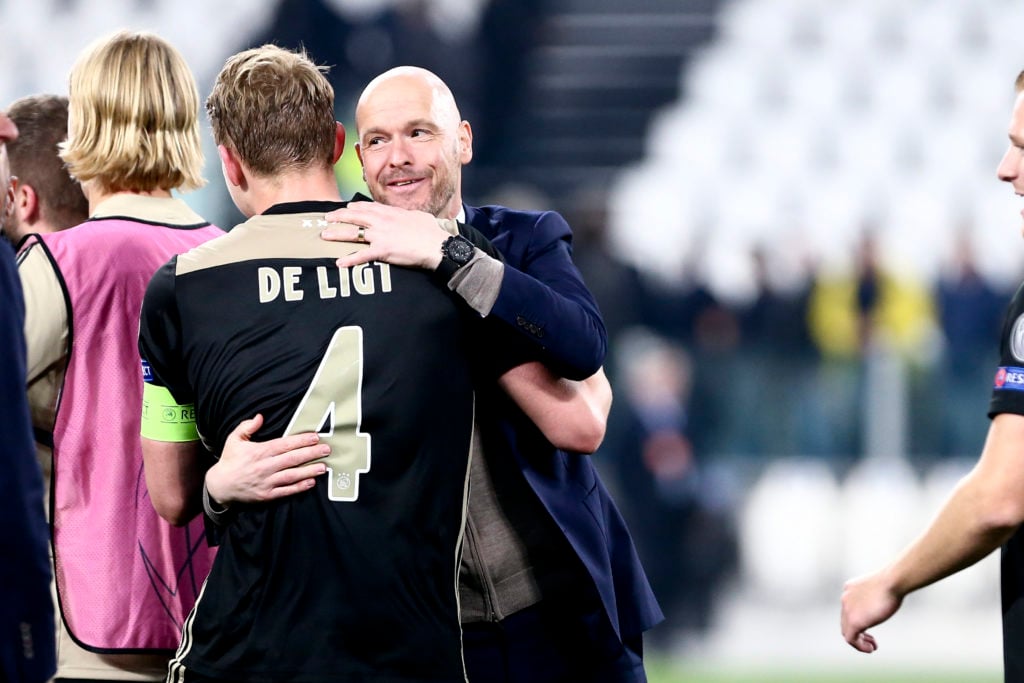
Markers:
{"x": 446, "y": 269}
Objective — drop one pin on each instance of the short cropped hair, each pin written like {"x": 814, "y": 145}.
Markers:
{"x": 134, "y": 110}
{"x": 42, "y": 122}
{"x": 1019, "y": 84}
{"x": 275, "y": 109}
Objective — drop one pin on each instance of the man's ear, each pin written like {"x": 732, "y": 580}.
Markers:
{"x": 465, "y": 142}
{"x": 26, "y": 204}
{"x": 339, "y": 141}
{"x": 232, "y": 166}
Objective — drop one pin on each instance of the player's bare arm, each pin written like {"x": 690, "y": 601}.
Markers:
{"x": 572, "y": 415}
{"x": 174, "y": 477}
{"x": 983, "y": 511}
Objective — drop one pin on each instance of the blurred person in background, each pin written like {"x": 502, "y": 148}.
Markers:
{"x": 986, "y": 508}
{"x": 863, "y": 318}
{"x": 125, "y": 578}
{"x": 44, "y": 197}
{"x": 970, "y": 311}
{"x": 778, "y": 358}
{"x": 27, "y": 647}
{"x": 617, "y": 285}
{"x": 679, "y": 514}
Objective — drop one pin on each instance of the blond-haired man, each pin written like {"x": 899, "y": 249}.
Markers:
{"x": 125, "y": 578}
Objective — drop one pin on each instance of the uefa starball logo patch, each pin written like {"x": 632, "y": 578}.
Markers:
{"x": 1009, "y": 378}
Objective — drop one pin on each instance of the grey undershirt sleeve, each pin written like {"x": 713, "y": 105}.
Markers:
{"x": 478, "y": 282}
{"x": 214, "y": 510}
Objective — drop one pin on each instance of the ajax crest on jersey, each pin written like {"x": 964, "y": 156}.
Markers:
{"x": 1017, "y": 338}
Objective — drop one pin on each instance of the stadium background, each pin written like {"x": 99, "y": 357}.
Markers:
{"x": 789, "y": 214}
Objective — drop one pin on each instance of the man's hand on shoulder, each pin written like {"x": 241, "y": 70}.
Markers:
{"x": 250, "y": 472}
{"x": 397, "y": 236}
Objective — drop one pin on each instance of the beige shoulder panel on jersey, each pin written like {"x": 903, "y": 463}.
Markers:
{"x": 46, "y": 312}
{"x": 262, "y": 237}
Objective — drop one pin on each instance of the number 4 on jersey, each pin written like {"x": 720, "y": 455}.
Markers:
{"x": 333, "y": 406}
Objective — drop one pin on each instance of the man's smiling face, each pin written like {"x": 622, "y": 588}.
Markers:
{"x": 412, "y": 146}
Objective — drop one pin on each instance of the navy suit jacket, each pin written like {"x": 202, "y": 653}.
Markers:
{"x": 543, "y": 296}
{"x": 27, "y": 648}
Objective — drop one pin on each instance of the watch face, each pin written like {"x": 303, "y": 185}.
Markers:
{"x": 460, "y": 250}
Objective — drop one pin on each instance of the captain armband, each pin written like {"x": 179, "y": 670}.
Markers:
{"x": 163, "y": 419}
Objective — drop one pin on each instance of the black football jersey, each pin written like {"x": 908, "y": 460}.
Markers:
{"x": 1008, "y": 383}
{"x": 355, "y": 579}
{"x": 1008, "y": 397}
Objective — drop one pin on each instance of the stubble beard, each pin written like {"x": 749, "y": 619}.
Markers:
{"x": 436, "y": 203}
{"x": 440, "y": 196}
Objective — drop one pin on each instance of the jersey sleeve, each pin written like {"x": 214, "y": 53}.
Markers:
{"x": 480, "y": 241}
{"x": 1008, "y": 383}
{"x": 168, "y": 412}
{"x": 46, "y": 309}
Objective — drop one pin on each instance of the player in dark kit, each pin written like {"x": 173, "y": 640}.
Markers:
{"x": 339, "y": 581}
{"x": 355, "y": 578}
{"x": 986, "y": 509}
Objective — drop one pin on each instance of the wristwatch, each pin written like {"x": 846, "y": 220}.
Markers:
{"x": 456, "y": 251}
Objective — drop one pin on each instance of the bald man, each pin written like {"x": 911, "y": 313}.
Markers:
{"x": 551, "y": 588}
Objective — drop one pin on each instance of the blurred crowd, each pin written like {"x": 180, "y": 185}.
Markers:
{"x": 834, "y": 366}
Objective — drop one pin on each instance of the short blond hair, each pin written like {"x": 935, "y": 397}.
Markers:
{"x": 275, "y": 109}
{"x": 134, "y": 116}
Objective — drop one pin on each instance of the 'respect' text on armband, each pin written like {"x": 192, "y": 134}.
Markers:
{"x": 163, "y": 419}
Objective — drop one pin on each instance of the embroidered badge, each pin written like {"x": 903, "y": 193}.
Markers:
{"x": 1009, "y": 378}
{"x": 1017, "y": 338}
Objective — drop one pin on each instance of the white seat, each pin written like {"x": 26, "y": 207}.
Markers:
{"x": 881, "y": 513}
{"x": 787, "y": 532}
{"x": 657, "y": 235}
